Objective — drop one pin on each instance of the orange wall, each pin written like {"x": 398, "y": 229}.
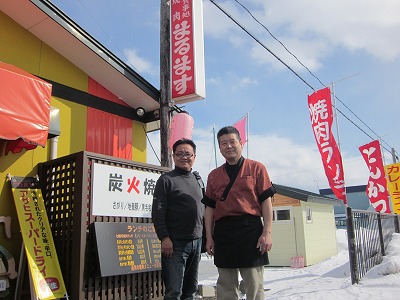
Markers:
{"x": 107, "y": 133}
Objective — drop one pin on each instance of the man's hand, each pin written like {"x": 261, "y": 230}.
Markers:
{"x": 265, "y": 242}
{"x": 167, "y": 247}
{"x": 210, "y": 246}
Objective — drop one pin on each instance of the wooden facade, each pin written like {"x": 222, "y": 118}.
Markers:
{"x": 66, "y": 187}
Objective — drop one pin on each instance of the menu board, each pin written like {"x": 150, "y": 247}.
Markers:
{"x": 125, "y": 248}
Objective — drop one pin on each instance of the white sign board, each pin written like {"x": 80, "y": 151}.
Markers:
{"x": 122, "y": 192}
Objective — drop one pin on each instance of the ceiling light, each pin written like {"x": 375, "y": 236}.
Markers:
{"x": 140, "y": 111}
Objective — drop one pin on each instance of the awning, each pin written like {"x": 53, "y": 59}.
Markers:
{"x": 24, "y": 108}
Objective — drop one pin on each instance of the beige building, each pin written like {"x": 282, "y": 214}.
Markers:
{"x": 303, "y": 228}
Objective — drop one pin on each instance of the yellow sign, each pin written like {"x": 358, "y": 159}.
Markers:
{"x": 38, "y": 239}
{"x": 393, "y": 175}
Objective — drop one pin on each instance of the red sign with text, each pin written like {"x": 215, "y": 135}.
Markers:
{"x": 187, "y": 55}
{"x": 376, "y": 187}
{"x": 320, "y": 107}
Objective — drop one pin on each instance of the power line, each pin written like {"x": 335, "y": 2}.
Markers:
{"x": 151, "y": 145}
{"x": 276, "y": 39}
{"x": 262, "y": 45}
{"x": 108, "y": 36}
{"x": 295, "y": 73}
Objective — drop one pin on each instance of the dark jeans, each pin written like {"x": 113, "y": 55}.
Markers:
{"x": 180, "y": 272}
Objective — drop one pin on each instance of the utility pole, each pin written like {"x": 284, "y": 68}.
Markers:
{"x": 165, "y": 80}
{"x": 394, "y": 157}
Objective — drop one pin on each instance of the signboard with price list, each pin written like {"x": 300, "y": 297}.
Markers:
{"x": 125, "y": 248}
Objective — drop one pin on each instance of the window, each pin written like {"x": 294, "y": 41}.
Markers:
{"x": 282, "y": 214}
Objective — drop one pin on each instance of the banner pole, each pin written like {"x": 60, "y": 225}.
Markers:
{"x": 336, "y": 118}
{"x": 388, "y": 189}
{"x": 215, "y": 147}
{"x": 247, "y": 132}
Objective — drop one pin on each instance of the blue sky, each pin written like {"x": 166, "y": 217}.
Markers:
{"x": 353, "y": 44}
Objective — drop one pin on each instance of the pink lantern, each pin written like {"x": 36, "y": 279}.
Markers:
{"x": 181, "y": 127}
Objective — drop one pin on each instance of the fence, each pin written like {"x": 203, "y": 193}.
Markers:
{"x": 66, "y": 187}
{"x": 368, "y": 233}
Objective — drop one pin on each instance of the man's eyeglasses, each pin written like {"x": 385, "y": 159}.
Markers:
{"x": 182, "y": 155}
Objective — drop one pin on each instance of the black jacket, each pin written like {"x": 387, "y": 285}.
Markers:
{"x": 177, "y": 209}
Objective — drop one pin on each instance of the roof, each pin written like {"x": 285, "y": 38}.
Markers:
{"x": 305, "y": 196}
{"x": 44, "y": 20}
{"x": 349, "y": 189}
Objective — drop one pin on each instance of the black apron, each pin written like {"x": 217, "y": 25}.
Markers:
{"x": 235, "y": 242}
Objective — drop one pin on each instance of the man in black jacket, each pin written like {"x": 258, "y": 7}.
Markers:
{"x": 177, "y": 215}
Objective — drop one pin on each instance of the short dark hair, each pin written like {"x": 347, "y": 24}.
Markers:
{"x": 182, "y": 142}
{"x": 228, "y": 130}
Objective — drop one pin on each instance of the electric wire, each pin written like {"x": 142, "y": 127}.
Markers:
{"x": 151, "y": 145}
{"x": 295, "y": 73}
{"x": 109, "y": 38}
{"x": 276, "y": 39}
{"x": 261, "y": 44}
{"x": 316, "y": 77}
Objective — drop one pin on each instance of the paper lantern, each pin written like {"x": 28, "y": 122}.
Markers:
{"x": 181, "y": 127}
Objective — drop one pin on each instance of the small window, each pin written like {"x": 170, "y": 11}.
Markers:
{"x": 282, "y": 214}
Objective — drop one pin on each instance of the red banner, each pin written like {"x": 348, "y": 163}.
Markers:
{"x": 320, "y": 107}
{"x": 241, "y": 127}
{"x": 187, "y": 54}
{"x": 376, "y": 187}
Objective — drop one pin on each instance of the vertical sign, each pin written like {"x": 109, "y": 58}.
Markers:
{"x": 376, "y": 187}
{"x": 187, "y": 53}
{"x": 393, "y": 177}
{"x": 38, "y": 239}
{"x": 320, "y": 107}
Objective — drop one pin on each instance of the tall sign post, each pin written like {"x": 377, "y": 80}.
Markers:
{"x": 182, "y": 75}
{"x": 165, "y": 83}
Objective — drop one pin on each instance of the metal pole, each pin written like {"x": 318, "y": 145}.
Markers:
{"x": 165, "y": 80}
{"x": 336, "y": 118}
{"x": 247, "y": 133}
{"x": 394, "y": 156}
{"x": 338, "y": 141}
{"x": 215, "y": 147}
{"x": 352, "y": 247}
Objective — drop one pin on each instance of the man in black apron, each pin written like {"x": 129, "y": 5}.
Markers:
{"x": 238, "y": 219}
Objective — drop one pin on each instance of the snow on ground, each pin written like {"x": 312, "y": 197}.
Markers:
{"x": 329, "y": 279}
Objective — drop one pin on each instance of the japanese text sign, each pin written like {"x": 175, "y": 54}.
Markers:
{"x": 122, "y": 192}
{"x": 38, "y": 239}
{"x": 393, "y": 178}
{"x": 376, "y": 187}
{"x": 187, "y": 54}
{"x": 126, "y": 248}
{"x": 320, "y": 108}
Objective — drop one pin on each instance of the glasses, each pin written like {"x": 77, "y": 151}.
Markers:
{"x": 182, "y": 155}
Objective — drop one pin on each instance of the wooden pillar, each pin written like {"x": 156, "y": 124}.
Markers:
{"x": 165, "y": 87}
